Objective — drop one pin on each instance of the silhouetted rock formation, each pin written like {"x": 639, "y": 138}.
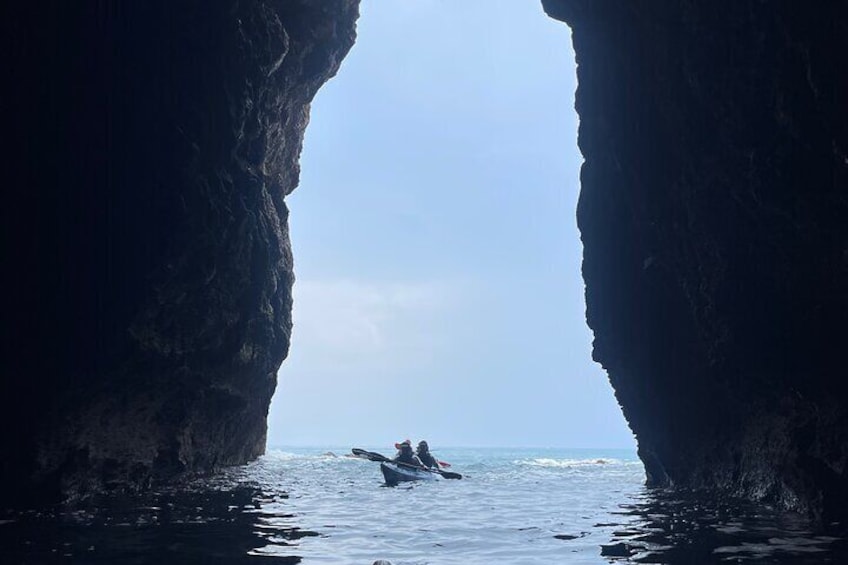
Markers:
{"x": 149, "y": 146}
{"x": 714, "y": 215}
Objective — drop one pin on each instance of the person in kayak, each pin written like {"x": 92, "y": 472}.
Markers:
{"x": 424, "y": 455}
{"x": 406, "y": 455}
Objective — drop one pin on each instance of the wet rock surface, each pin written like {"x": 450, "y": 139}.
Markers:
{"x": 714, "y": 216}
{"x": 151, "y": 145}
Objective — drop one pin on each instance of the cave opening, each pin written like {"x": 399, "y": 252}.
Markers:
{"x": 437, "y": 255}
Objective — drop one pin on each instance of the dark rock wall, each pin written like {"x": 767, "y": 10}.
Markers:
{"x": 714, "y": 218}
{"x": 148, "y": 150}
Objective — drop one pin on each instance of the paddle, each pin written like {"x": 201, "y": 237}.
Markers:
{"x": 372, "y": 456}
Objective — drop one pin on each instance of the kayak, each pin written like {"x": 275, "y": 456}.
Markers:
{"x": 395, "y": 474}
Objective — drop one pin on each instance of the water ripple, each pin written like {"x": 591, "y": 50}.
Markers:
{"x": 513, "y": 507}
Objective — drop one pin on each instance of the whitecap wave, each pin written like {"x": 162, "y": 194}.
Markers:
{"x": 567, "y": 463}
{"x": 282, "y": 455}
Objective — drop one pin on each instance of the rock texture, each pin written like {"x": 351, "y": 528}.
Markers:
{"x": 149, "y": 149}
{"x": 149, "y": 146}
{"x": 714, "y": 216}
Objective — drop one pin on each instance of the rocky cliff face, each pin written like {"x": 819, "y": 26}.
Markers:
{"x": 150, "y": 146}
{"x": 714, "y": 215}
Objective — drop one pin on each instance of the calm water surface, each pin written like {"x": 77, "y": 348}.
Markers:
{"x": 513, "y": 506}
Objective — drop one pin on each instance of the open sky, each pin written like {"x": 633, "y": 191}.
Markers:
{"x": 437, "y": 256}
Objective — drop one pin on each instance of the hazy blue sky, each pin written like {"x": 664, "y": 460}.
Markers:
{"x": 437, "y": 255}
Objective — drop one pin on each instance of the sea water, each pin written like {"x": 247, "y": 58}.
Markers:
{"x": 512, "y": 506}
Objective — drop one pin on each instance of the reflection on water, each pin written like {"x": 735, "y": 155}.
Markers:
{"x": 516, "y": 508}
{"x": 664, "y": 526}
{"x": 201, "y": 523}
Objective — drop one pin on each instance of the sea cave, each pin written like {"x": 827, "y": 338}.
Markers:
{"x": 152, "y": 146}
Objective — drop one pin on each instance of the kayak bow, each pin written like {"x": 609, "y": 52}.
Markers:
{"x": 394, "y": 474}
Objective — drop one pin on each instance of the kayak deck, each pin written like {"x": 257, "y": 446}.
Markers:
{"x": 394, "y": 474}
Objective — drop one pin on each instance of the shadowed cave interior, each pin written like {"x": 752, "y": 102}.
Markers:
{"x": 149, "y": 302}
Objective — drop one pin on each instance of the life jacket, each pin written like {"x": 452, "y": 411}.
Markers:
{"x": 407, "y": 456}
{"x": 427, "y": 459}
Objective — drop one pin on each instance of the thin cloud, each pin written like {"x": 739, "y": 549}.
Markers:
{"x": 339, "y": 323}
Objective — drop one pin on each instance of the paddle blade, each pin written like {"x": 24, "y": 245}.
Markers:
{"x": 449, "y": 475}
{"x": 370, "y": 455}
{"x": 443, "y": 464}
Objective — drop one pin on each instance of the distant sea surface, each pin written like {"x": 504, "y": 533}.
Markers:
{"x": 513, "y": 506}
